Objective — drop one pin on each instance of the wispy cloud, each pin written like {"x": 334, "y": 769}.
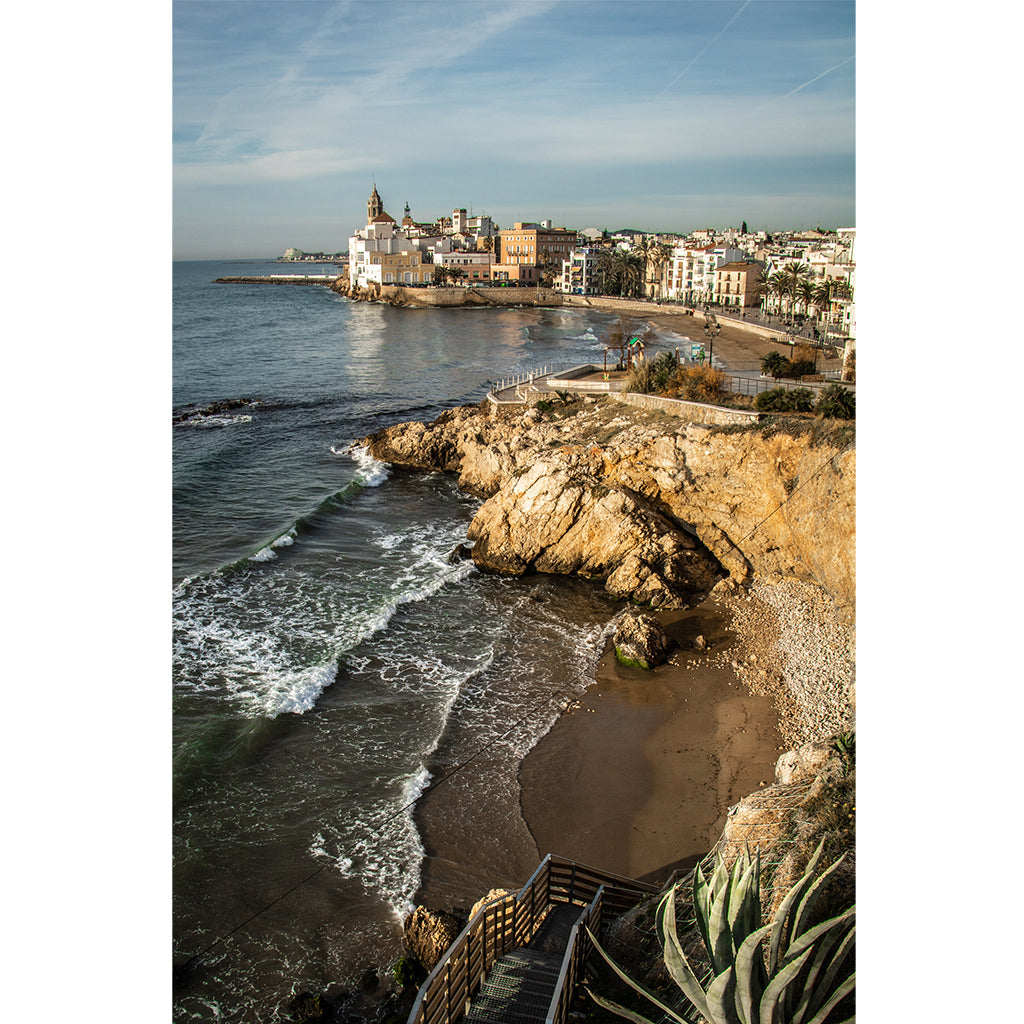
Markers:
{"x": 706, "y": 47}
{"x": 524, "y": 106}
{"x": 816, "y": 78}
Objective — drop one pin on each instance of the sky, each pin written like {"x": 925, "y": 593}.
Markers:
{"x": 663, "y": 116}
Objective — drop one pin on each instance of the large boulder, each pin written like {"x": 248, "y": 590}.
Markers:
{"x": 641, "y": 641}
{"x": 429, "y": 933}
{"x": 559, "y": 518}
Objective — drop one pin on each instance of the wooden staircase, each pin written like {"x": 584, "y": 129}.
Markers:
{"x": 519, "y": 959}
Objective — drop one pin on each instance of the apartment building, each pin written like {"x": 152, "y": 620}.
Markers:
{"x": 405, "y": 267}
{"x": 736, "y": 283}
{"x": 476, "y": 265}
{"x": 525, "y": 251}
{"x": 579, "y": 273}
{"x": 690, "y": 271}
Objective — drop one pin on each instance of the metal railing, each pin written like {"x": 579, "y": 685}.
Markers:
{"x": 509, "y": 922}
{"x": 527, "y": 377}
{"x": 577, "y": 952}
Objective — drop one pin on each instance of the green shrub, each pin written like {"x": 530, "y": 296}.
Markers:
{"x": 800, "y": 367}
{"x": 663, "y": 368}
{"x": 785, "y": 400}
{"x": 802, "y": 399}
{"x": 837, "y": 402}
{"x": 408, "y": 971}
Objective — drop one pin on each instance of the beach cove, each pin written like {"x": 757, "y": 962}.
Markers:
{"x": 639, "y": 774}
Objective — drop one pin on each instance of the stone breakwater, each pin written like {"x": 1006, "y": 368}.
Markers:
{"x": 658, "y": 510}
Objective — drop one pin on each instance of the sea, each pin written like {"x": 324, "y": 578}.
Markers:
{"x": 332, "y": 663}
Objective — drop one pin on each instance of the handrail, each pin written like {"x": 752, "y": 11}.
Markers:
{"x": 577, "y": 951}
{"x": 509, "y": 922}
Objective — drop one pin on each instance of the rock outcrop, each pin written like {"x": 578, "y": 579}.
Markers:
{"x": 641, "y": 641}
{"x": 659, "y": 514}
{"x": 429, "y": 933}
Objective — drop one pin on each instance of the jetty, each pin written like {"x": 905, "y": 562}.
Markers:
{"x": 321, "y": 279}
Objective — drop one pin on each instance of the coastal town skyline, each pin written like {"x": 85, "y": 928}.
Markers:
{"x": 652, "y": 116}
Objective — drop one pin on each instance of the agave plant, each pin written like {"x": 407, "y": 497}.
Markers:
{"x": 807, "y": 971}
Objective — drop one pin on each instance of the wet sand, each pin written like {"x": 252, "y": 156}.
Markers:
{"x": 638, "y": 778}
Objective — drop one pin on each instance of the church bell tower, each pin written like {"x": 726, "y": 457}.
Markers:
{"x": 374, "y": 206}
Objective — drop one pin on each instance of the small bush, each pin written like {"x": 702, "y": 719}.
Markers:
{"x": 408, "y": 971}
{"x": 799, "y": 368}
{"x": 663, "y": 368}
{"x": 697, "y": 384}
{"x": 837, "y": 402}
{"x": 785, "y": 400}
{"x": 641, "y": 379}
{"x": 802, "y": 399}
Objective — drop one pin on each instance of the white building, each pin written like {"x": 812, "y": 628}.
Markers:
{"x": 579, "y": 273}
{"x": 383, "y": 237}
{"x": 690, "y": 271}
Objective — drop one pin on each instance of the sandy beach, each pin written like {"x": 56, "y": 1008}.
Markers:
{"x": 735, "y": 347}
{"x": 638, "y": 777}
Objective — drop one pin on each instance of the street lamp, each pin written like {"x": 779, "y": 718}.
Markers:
{"x": 711, "y": 331}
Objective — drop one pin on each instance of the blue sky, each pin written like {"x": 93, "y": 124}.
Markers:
{"x": 666, "y": 115}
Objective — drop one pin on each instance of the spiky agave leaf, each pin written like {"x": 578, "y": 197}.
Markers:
{"x": 745, "y": 902}
{"x": 840, "y": 993}
{"x": 810, "y": 941}
{"x": 635, "y": 985}
{"x": 782, "y": 927}
{"x": 833, "y": 941}
{"x": 775, "y": 990}
{"x": 636, "y": 1018}
{"x": 702, "y": 905}
{"x": 751, "y": 977}
{"x": 675, "y": 959}
{"x": 810, "y": 899}
{"x": 722, "y": 998}
{"x": 721, "y": 948}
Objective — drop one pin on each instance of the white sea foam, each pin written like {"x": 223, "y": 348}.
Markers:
{"x": 297, "y": 691}
{"x": 370, "y": 472}
{"x": 266, "y": 554}
{"x": 206, "y": 422}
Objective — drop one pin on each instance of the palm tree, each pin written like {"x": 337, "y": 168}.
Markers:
{"x": 660, "y": 254}
{"x": 631, "y": 274}
{"x": 807, "y": 292}
{"x": 650, "y": 253}
{"x": 829, "y": 289}
{"x": 605, "y": 268}
{"x": 762, "y": 287}
{"x": 795, "y": 275}
{"x": 778, "y": 285}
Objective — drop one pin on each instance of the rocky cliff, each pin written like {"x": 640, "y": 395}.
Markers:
{"x": 657, "y": 509}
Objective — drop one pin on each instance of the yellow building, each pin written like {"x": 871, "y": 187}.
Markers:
{"x": 399, "y": 268}
{"x": 736, "y": 283}
{"x": 527, "y": 250}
